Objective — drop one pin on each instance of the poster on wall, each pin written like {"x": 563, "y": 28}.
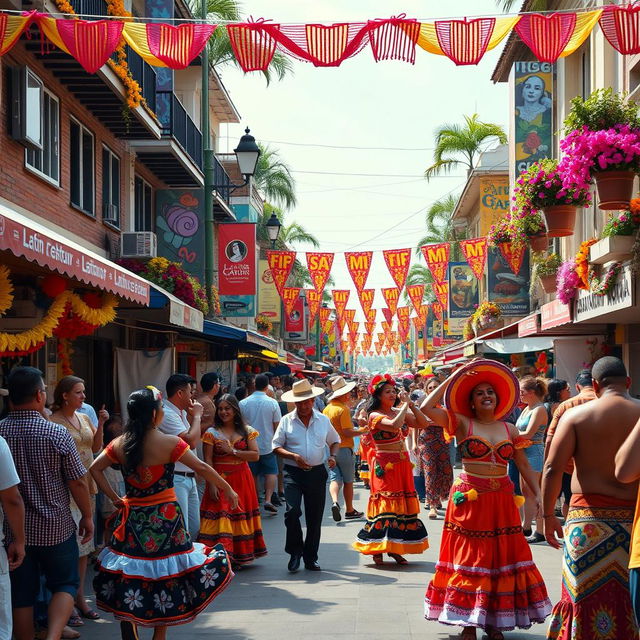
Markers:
{"x": 463, "y": 296}
{"x": 180, "y": 228}
{"x": 269, "y": 303}
{"x": 494, "y": 201}
{"x": 533, "y": 86}
{"x": 507, "y": 289}
{"x": 237, "y": 269}
{"x": 295, "y": 325}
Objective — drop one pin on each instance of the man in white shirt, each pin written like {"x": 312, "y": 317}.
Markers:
{"x": 182, "y": 417}
{"x": 12, "y": 505}
{"x": 263, "y": 414}
{"x": 301, "y": 439}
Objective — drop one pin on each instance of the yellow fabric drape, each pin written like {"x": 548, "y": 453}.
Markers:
{"x": 135, "y": 33}
{"x": 585, "y": 22}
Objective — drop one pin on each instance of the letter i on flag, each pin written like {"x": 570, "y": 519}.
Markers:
{"x": 359, "y": 263}
{"x": 289, "y": 297}
{"x": 398, "y": 261}
{"x": 280, "y": 265}
{"x": 437, "y": 259}
{"x": 416, "y": 294}
{"x": 313, "y": 302}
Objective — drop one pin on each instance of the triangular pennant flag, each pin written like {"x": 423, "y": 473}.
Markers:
{"x": 437, "y": 259}
{"x": 513, "y": 254}
{"x": 438, "y": 308}
{"x": 313, "y": 302}
{"x": 325, "y": 322}
{"x": 370, "y": 327}
{"x": 388, "y": 316}
{"x": 366, "y": 300}
{"x": 423, "y": 314}
{"x": 441, "y": 289}
{"x": 398, "y": 262}
{"x": 289, "y": 297}
{"x": 391, "y": 297}
{"x": 416, "y": 294}
{"x": 319, "y": 267}
{"x": 358, "y": 264}
{"x": 371, "y": 315}
{"x": 340, "y": 299}
{"x": 280, "y": 265}
{"x": 475, "y": 253}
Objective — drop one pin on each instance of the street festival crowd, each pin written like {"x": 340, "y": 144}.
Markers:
{"x": 166, "y": 503}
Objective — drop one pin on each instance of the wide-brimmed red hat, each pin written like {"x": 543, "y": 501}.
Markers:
{"x": 464, "y": 380}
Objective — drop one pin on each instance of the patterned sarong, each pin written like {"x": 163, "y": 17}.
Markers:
{"x": 595, "y": 602}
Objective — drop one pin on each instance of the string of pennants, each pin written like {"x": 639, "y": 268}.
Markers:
{"x": 549, "y": 36}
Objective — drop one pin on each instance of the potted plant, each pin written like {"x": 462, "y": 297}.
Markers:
{"x": 542, "y": 188}
{"x": 545, "y": 269}
{"x": 263, "y": 324}
{"x": 487, "y": 317}
{"x": 618, "y": 236}
{"x": 567, "y": 282}
{"x": 602, "y": 143}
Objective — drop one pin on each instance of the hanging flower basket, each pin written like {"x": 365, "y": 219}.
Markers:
{"x": 615, "y": 189}
{"x": 548, "y": 283}
{"x": 539, "y": 242}
{"x": 560, "y": 220}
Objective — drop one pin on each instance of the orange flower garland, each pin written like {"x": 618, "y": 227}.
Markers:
{"x": 582, "y": 263}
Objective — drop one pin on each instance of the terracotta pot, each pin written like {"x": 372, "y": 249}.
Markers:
{"x": 560, "y": 220}
{"x": 539, "y": 242}
{"x": 615, "y": 189}
{"x": 548, "y": 283}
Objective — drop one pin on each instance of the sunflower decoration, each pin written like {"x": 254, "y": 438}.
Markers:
{"x": 582, "y": 263}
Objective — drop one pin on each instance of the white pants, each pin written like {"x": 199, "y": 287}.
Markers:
{"x": 5, "y": 597}
{"x": 189, "y": 501}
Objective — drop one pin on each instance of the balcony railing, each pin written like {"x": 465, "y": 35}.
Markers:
{"x": 97, "y": 9}
{"x": 145, "y": 75}
{"x": 177, "y": 123}
{"x": 221, "y": 180}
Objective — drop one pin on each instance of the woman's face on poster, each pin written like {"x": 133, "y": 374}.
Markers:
{"x": 532, "y": 89}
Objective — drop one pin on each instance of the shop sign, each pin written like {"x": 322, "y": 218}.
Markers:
{"x": 621, "y": 296}
{"x": 528, "y": 326}
{"x": 182, "y": 315}
{"x": 269, "y": 303}
{"x": 237, "y": 259}
{"x": 494, "y": 201}
{"x": 295, "y": 326}
{"x": 554, "y": 314}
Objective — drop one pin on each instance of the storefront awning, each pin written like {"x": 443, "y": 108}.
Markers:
{"x": 260, "y": 340}
{"x": 180, "y": 313}
{"x": 516, "y": 345}
{"x": 37, "y": 243}
{"x": 224, "y": 331}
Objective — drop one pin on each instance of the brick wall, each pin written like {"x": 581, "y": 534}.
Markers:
{"x": 26, "y": 189}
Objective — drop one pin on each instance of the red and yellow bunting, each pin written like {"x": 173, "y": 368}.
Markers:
{"x": 513, "y": 254}
{"x": 11, "y": 28}
{"x": 366, "y": 300}
{"x": 403, "y": 322}
{"x": 398, "y": 262}
{"x": 325, "y": 319}
{"x": 438, "y": 309}
{"x": 370, "y": 327}
{"x": 437, "y": 259}
{"x": 289, "y": 297}
{"x": 280, "y": 265}
{"x": 416, "y": 295}
{"x": 388, "y": 316}
{"x": 371, "y": 315}
{"x": 391, "y": 297}
{"x": 441, "y": 289}
{"x": 319, "y": 266}
{"x": 313, "y": 302}
{"x": 340, "y": 299}
{"x": 475, "y": 253}
{"x": 358, "y": 264}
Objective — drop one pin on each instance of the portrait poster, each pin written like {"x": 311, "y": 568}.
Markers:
{"x": 533, "y": 113}
{"x": 237, "y": 258}
{"x": 295, "y": 327}
{"x": 507, "y": 289}
{"x": 269, "y": 302}
{"x": 463, "y": 295}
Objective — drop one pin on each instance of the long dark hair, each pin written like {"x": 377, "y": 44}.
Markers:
{"x": 140, "y": 407}
{"x": 554, "y": 389}
{"x": 239, "y": 424}
{"x": 373, "y": 404}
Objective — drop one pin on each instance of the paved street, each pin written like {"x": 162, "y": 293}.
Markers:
{"x": 350, "y": 598}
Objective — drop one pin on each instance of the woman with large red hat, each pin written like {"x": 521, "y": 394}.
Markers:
{"x": 485, "y": 576}
{"x": 392, "y": 526}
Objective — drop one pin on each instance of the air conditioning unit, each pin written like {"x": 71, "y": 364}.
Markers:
{"x": 138, "y": 244}
{"x": 110, "y": 214}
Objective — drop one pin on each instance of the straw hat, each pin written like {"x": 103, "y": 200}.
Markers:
{"x": 340, "y": 387}
{"x": 301, "y": 390}
{"x": 464, "y": 380}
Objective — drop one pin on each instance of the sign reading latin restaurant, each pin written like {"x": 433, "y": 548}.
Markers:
{"x": 622, "y": 296}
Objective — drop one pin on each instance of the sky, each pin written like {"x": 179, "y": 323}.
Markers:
{"x": 314, "y": 115}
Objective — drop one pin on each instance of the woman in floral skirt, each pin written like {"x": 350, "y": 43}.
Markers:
{"x": 151, "y": 574}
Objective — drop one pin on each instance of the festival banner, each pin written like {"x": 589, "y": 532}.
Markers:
{"x": 513, "y": 255}
{"x": 314, "y": 298}
{"x": 366, "y": 300}
{"x": 386, "y": 327}
{"x": 237, "y": 259}
{"x": 294, "y": 324}
{"x": 416, "y": 294}
{"x": 403, "y": 322}
{"x": 382, "y": 337}
{"x": 280, "y": 265}
{"x": 325, "y": 314}
{"x": 370, "y": 327}
{"x": 388, "y": 316}
{"x": 463, "y": 296}
{"x": 441, "y": 289}
{"x": 319, "y": 266}
{"x": 475, "y": 253}
{"x": 340, "y": 299}
{"x": 269, "y": 304}
{"x": 494, "y": 201}
{"x": 438, "y": 309}
{"x": 437, "y": 258}
{"x": 371, "y": 315}
{"x": 358, "y": 264}
{"x": 391, "y": 297}
{"x": 423, "y": 314}
{"x": 349, "y": 316}
{"x": 366, "y": 342}
{"x": 289, "y": 297}
{"x": 510, "y": 291}
{"x": 398, "y": 262}
{"x": 417, "y": 323}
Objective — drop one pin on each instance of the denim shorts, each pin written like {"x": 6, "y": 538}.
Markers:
{"x": 59, "y": 565}
{"x": 535, "y": 456}
{"x": 266, "y": 465}
{"x": 345, "y": 468}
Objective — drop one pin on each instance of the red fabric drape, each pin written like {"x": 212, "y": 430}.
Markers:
{"x": 394, "y": 38}
{"x": 546, "y": 36}
{"x": 253, "y": 44}
{"x": 178, "y": 46}
{"x": 465, "y": 41}
{"x": 621, "y": 27}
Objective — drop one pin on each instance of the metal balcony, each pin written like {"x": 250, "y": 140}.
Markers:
{"x": 96, "y": 9}
{"x": 177, "y": 123}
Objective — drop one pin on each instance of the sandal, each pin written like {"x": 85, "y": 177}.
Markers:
{"x": 433, "y": 514}
{"x": 494, "y": 634}
{"x": 90, "y": 614}
{"x": 377, "y": 559}
{"x": 398, "y": 558}
{"x": 75, "y": 620}
{"x": 468, "y": 633}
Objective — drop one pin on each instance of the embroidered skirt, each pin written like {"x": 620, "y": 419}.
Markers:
{"x": 239, "y": 530}
{"x": 595, "y": 601}
{"x": 392, "y": 523}
{"x": 485, "y": 575}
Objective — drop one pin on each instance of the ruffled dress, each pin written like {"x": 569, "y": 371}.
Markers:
{"x": 239, "y": 530}
{"x": 392, "y": 523}
{"x": 151, "y": 574}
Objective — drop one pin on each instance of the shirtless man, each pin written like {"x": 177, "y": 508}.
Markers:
{"x": 598, "y": 525}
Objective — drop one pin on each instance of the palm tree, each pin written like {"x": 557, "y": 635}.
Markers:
{"x": 220, "y": 51}
{"x": 273, "y": 177}
{"x": 441, "y": 226}
{"x": 460, "y": 145}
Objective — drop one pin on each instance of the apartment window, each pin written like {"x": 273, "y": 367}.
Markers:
{"x": 110, "y": 187}
{"x": 143, "y": 200}
{"x": 82, "y": 168}
{"x": 46, "y": 161}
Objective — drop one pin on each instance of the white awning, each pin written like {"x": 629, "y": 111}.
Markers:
{"x": 516, "y": 345}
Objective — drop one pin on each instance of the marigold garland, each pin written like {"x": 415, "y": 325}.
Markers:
{"x": 6, "y": 290}
{"x": 603, "y": 286}
{"x": 582, "y": 263}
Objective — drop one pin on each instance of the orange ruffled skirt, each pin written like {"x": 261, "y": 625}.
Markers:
{"x": 392, "y": 523}
{"x": 239, "y": 530}
{"x": 485, "y": 575}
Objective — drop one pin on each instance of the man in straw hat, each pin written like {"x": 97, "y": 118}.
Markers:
{"x": 301, "y": 439}
{"x": 343, "y": 473}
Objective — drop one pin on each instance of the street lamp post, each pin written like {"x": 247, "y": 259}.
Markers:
{"x": 273, "y": 228}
